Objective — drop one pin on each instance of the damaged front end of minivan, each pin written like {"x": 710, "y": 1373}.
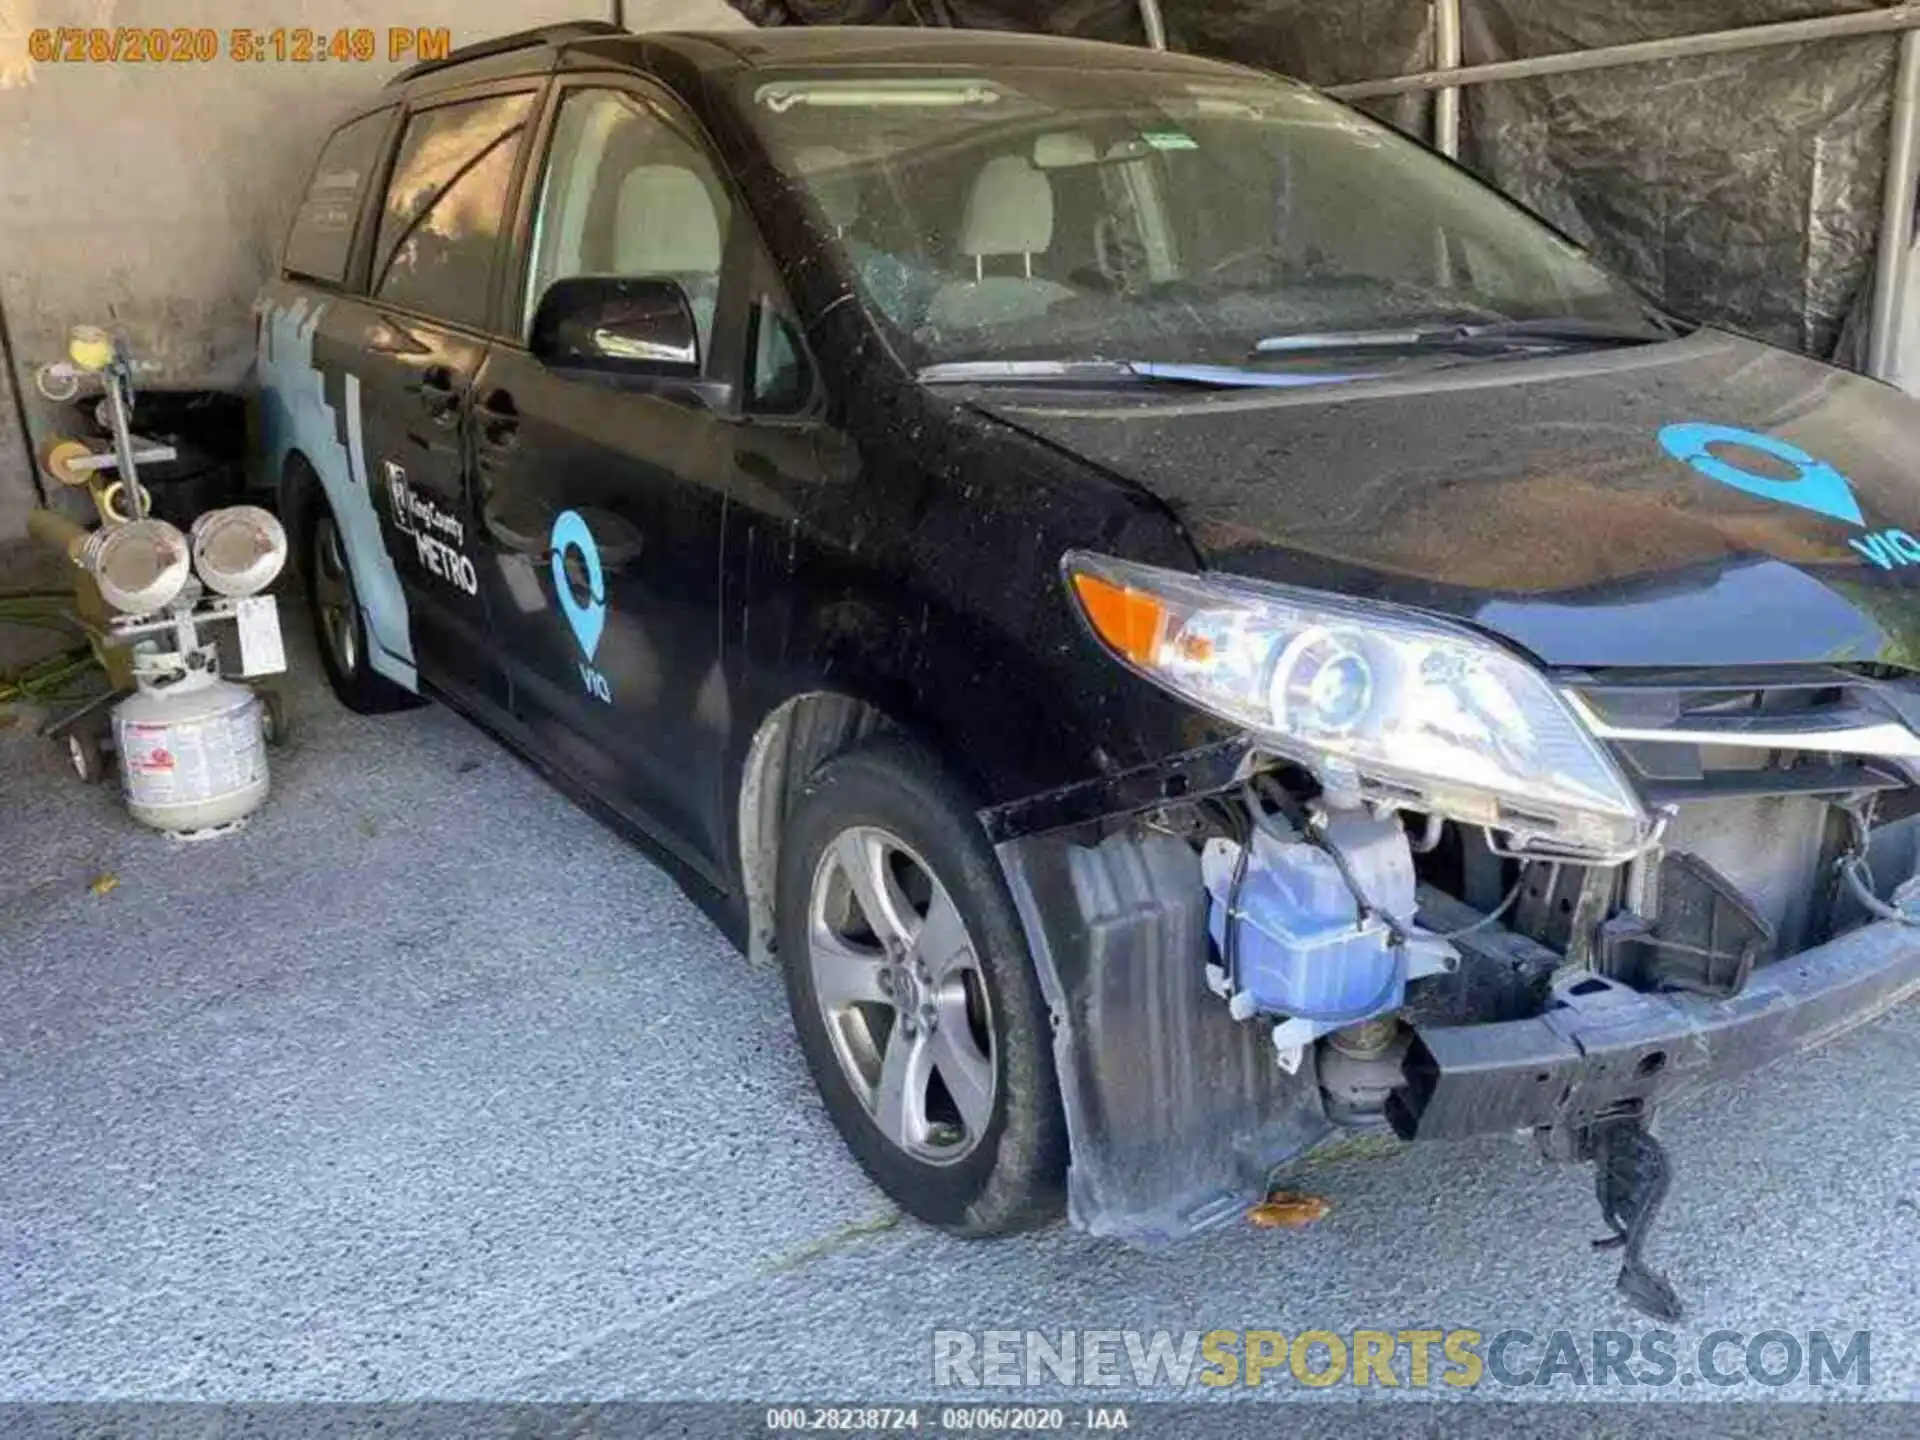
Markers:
{"x": 1434, "y": 890}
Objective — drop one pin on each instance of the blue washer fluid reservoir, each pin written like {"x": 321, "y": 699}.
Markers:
{"x": 1303, "y": 950}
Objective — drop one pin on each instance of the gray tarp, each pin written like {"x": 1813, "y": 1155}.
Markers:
{"x": 1743, "y": 189}
{"x": 1740, "y": 189}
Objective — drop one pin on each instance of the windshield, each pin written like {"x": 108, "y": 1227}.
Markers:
{"x": 1083, "y": 215}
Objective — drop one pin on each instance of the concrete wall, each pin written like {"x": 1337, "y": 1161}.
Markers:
{"x": 153, "y": 197}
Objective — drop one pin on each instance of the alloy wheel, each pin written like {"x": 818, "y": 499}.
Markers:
{"x": 900, "y": 986}
{"x": 333, "y": 593}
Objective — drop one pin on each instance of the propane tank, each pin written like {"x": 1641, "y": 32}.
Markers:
{"x": 191, "y": 746}
{"x": 192, "y": 754}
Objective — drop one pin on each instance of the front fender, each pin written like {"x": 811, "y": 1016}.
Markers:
{"x": 299, "y": 422}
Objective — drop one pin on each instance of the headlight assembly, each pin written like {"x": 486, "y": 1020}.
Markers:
{"x": 1407, "y": 710}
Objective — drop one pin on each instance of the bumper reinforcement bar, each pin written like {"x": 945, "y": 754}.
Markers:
{"x": 1605, "y": 1051}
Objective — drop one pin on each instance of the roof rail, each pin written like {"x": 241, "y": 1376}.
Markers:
{"x": 519, "y": 40}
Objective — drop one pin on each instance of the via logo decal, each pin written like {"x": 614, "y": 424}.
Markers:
{"x": 1817, "y": 486}
{"x": 587, "y": 620}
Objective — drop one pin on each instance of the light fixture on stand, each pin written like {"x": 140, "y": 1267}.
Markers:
{"x": 190, "y": 743}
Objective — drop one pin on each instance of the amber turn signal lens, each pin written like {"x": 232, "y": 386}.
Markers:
{"x": 1128, "y": 620}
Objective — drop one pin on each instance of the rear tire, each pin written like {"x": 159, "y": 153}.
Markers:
{"x": 339, "y": 623}
{"x": 932, "y": 1049}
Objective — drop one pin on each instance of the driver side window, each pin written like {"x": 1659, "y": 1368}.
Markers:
{"x": 626, "y": 194}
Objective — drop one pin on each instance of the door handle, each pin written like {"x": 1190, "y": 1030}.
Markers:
{"x": 438, "y": 397}
{"x": 499, "y": 420}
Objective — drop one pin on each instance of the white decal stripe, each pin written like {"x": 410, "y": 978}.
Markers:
{"x": 295, "y": 418}
{"x": 356, "y": 442}
{"x": 386, "y": 607}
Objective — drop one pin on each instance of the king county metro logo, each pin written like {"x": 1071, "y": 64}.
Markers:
{"x": 1815, "y": 486}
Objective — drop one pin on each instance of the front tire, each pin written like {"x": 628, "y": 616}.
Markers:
{"x": 914, "y": 996}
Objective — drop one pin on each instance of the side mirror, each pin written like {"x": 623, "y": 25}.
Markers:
{"x": 641, "y": 327}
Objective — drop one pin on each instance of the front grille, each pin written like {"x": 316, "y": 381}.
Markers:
{"x": 1807, "y": 731}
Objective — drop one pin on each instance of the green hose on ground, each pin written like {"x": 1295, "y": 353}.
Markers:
{"x": 53, "y": 676}
{"x": 46, "y": 679}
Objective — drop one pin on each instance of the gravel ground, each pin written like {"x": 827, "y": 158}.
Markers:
{"x": 428, "y": 1086}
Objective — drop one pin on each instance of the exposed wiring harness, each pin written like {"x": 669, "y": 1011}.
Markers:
{"x": 1428, "y": 841}
{"x": 1498, "y": 911}
{"x": 1858, "y": 873}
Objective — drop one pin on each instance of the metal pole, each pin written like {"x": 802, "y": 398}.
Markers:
{"x": 19, "y": 407}
{"x": 1896, "y": 212}
{"x": 119, "y": 378}
{"x": 1716, "y": 42}
{"x": 1446, "y": 56}
{"x": 1156, "y": 27}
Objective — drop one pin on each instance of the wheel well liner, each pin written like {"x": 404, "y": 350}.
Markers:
{"x": 788, "y": 746}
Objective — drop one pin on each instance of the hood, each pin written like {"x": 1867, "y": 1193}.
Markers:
{"x": 1703, "y": 502}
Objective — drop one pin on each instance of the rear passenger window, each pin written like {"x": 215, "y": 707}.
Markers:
{"x": 321, "y": 239}
{"x": 446, "y": 205}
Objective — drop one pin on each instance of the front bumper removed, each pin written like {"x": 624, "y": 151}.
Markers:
{"x": 1605, "y": 1051}
{"x": 1177, "y": 1115}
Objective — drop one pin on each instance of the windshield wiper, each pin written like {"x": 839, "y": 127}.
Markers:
{"x": 1576, "y": 329}
{"x": 1117, "y": 372}
{"x": 1072, "y": 372}
{"x": 1490, "y": 335}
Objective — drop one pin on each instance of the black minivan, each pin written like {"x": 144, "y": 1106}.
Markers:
{"x": 1182, "y": 621}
